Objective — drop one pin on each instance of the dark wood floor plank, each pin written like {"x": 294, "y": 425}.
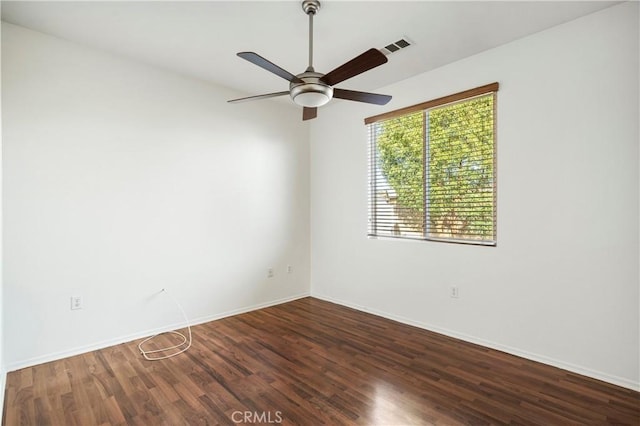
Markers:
{"x": 311, "y": 362}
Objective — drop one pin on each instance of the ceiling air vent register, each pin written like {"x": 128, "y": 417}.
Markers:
{"x": 402, "y": 43}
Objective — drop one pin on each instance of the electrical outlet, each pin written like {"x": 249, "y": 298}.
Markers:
{"x": 270, "y": 273}
{"x": 454, "y": 292}
{"x": 289, "y": 269}
{"x": 76, "y": 302}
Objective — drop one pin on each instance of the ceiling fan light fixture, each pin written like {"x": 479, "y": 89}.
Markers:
{"x": 311, "y": 95}
{"x": 311, "y": 99}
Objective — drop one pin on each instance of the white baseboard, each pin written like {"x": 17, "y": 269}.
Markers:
{"x": 619, "y": 381}
{"x": 139, "y": 335}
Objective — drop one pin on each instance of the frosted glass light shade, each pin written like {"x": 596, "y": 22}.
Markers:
{"x": 311, "y": 99}
{"x": 311, "y": 94}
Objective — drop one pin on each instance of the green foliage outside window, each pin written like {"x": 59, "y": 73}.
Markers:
{"x": 459, "y": 145}
{"x": 400, "y": 146}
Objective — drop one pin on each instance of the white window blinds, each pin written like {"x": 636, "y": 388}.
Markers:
{"x": 432, "y": 171}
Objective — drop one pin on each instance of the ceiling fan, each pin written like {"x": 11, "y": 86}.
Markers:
{"x": 312, "y": 89}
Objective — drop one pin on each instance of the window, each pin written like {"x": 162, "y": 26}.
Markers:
{"x": 432, "y": 173}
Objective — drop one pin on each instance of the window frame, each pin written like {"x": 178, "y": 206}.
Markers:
{"x": 488, "y": 89}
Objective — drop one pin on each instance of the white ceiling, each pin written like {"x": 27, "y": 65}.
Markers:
{"x": 200, "y": 39}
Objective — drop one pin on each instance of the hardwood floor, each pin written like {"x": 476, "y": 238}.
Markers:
{"x": 311, "y": 362}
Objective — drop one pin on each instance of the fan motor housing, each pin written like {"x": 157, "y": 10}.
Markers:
{"x": 313, "y": 92}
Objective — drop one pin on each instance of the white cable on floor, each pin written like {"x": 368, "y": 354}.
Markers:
{"x": 145, "y": 353}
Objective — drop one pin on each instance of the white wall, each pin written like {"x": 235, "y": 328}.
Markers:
{"x": 3, "y": 375}
{"x": 562, "y": 285}
{"x": 121, "y": 179}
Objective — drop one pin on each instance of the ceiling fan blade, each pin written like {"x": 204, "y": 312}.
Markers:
{"x": 364, "y": 62}
{"x": 309, "y": 113}
{"x": 255, "y": 98}
{"x": 258, "y": 60}
{"x": 352, "y": 95}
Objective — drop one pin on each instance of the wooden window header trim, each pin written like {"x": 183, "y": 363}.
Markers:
{"x": 488, "y": 88}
